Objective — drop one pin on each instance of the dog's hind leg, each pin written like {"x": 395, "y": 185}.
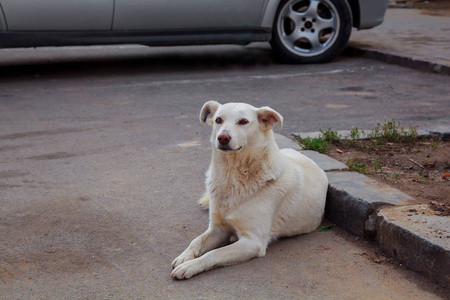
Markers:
{"x": 204, "y": 200}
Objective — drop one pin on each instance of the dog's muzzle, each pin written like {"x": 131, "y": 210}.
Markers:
{"x": 224, "y": 142}
{"x": 224, "y": 139}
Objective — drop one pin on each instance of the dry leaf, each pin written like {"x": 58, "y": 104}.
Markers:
{"x": 378, "y": 258}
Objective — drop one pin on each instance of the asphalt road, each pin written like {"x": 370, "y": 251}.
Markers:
{"x": 102, "y": 158}
{"x": 340, "y": 95}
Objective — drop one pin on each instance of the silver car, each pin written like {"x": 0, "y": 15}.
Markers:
{"x": 300, "y": 31}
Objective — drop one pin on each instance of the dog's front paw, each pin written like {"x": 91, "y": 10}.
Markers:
{"x": 185, "y": 256}
{"x": 188, "y": 269}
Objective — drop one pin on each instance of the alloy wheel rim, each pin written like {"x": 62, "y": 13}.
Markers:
{"x": 308, "y": 27}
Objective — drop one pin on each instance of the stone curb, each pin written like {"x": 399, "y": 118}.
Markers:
{"x": 353, "y": 199}
{"x": 417, "y": 239}
{"x": 442, "y": 131}
{"x": 378, "y": 212}
{"x": 408, "y": 62}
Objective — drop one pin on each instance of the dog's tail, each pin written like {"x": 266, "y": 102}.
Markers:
{"x": 204, "y": 200}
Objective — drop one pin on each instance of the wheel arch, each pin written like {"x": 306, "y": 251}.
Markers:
{"x": 270, "y": 10}
{"x": 3, "y": 26}
{"x": 356, "y": 12}
{"x": 272, "y": 7}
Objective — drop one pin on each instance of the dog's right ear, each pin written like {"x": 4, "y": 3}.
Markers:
{"x": 208, "y": 111}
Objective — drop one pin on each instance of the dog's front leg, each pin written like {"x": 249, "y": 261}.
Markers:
{"x": 212, "y": 238}
{"x": 244, "y": 249}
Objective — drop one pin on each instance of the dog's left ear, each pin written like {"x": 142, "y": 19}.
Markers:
{"x": 267, "y": 118}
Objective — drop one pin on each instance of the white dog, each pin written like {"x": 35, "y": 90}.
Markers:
{"x": 256, "y": 191}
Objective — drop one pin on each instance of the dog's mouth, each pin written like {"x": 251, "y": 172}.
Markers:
{"x": 226, "y": 148}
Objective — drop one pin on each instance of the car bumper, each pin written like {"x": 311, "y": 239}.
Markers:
{"x": 372, "y": 13}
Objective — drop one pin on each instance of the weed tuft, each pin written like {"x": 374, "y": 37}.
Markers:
{"x": 393, "y": 132}
{"x": 377, "y": 164}
{"x": 316, "y": 144}
{"x": 356, "y": 134}
{"x": 395, "y": 175}
{"x": 331, "y": 136}
{"x": 353, "y": 165}
{"x": 435, "y": 143}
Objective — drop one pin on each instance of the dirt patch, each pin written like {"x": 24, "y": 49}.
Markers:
{"x": 419, "y": 169}
{"x": 440, "y": 8}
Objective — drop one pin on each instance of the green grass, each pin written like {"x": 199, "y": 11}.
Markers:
{"x": 395, "y": 176}
{"x": 389, "y": 131}
{"x": 435, "y": 143}
{"x": 393, "y": 132}
{"x": 320, "y": 144}
{"x": 325, "y": 228}
{"x": 377, "y": 164}
{"x": 353, "y": 165}
{"x": 331, "y": 136}
{"x": 316, "y": 144}
{"x": 356, "y": 134}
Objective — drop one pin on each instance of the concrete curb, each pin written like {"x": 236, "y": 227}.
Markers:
{"x": 353, "y": 199}
{"x": 416, "y": 239}
{"x": 408, "y": 62}
{"x": 378, "y": 212}
{"x": 442, "y": 131}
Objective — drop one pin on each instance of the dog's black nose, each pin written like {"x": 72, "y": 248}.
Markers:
{"x": 224, "y": 139}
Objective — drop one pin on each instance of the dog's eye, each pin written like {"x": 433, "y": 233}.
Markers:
{"x": 243, "y": 122}
{"x": 219, "y": 120}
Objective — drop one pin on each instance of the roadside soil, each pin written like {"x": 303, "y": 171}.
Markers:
{"x": 420, "y": 169}
{"x": 439, "y": 8}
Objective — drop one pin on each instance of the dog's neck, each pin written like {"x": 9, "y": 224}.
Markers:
{"x": 247, "y": 165}
{"x": 234, "y": 177}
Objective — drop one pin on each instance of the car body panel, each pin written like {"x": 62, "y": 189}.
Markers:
{"x": 35, "y": 23}
{"x": 371, "y": 13}
{"x": 3, "y": 26}
{"x": 182, "y": 14}
{"x": 150, "y": 38}
{"x": 42, "y": 15}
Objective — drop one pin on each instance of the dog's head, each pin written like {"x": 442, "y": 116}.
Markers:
{"x": 238, "y": 125}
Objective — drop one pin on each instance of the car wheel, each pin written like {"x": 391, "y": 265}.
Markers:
{"x": 311, "y": 31}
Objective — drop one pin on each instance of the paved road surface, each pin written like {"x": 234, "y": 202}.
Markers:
{"x": 102, "y": 160}
{"x": 343, "y": 94}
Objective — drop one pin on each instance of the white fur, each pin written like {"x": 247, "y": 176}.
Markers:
{"x": 256, "y": 191}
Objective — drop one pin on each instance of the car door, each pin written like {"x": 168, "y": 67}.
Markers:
{"x": 58, "y": 15}
{"x": 187, "y": 14}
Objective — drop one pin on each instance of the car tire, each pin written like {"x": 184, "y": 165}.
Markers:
{"x": 311, "y": 31}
